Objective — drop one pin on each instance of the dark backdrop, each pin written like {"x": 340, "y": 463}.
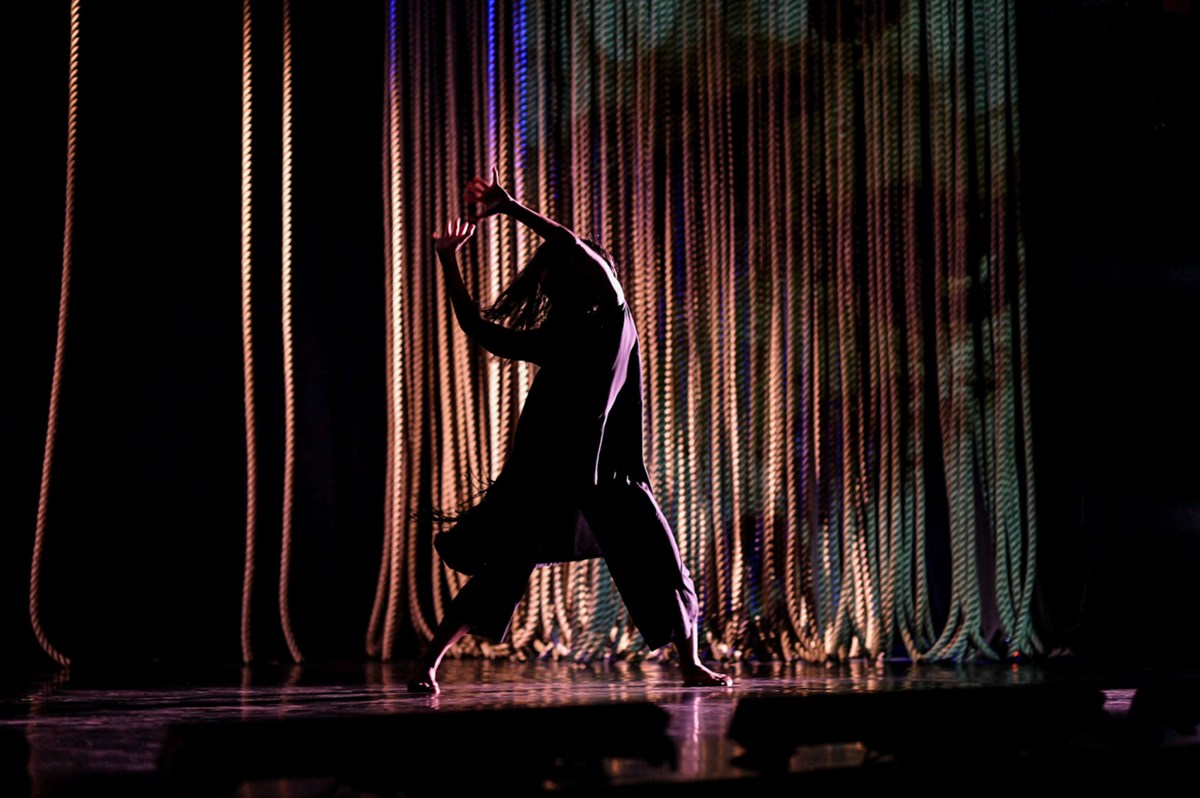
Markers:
{"x": 145, "y": 540}
{"x": 1108, "y": 111}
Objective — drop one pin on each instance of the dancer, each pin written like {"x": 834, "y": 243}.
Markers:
{"x": 574, "y": 483}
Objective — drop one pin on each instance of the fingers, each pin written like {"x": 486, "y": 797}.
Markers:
{"x": 458, "y": 228}
{"x": 475, "y": 188}
{"x": 495, "y": 176}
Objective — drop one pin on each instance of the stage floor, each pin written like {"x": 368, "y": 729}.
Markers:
{"x": 101, "y": 727}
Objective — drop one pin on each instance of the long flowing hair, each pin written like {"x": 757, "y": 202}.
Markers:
{"x": 523, "y": 304}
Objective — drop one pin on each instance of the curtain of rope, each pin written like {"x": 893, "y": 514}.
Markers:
{"x": 815, "y": 211}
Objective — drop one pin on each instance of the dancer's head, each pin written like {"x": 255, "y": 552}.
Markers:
{"x": 553, "y": 278}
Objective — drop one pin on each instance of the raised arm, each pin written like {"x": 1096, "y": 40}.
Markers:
{"x": 491, "y": 198}
{"x": 496, "y": 338}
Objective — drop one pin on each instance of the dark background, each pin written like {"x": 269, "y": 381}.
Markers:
{"x": 1109, "y": 123}
{"x": 145, "y": 540}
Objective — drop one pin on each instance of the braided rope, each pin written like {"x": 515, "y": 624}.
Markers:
{"x": 785, "y": 348}
{"x": 247, "y": 195}
{"x": 417, "y": 298}
{"x": 289, "y": 357}
{"x": 774, "y": 465}
{"x": 796, "y": 323}
{"x": 449, "y": 467}
{"x": 515, "y": 106}
{"x": 373, "y": 643}
{"x": 60, "y": 344}
{"x": 1024, "y": 636}
{"x": 804, "y": 316}
{"x": 947, "y": 645}
{"x": 394, "y": 262}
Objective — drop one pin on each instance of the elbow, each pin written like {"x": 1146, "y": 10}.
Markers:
{"x": 469, "y": 318}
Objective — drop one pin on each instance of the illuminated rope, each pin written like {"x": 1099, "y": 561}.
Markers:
{"x": 873, "y": 411}
{"x": 60, "y": 343}
{"x": 1025, "y": 637}
{"x": 398, "y": 444}
{"x": 373, "y": 643}
{"x": 289, "y": 368}
{"x": 918, "y": 631}
{"x": 769, "y": 472}
{"x": 780, "y": 305}
{"x": 514, "y": 102}
{"x": 452, "y": 465}
{"x": 247, "y": 326}
{"x": 415, "y": 296}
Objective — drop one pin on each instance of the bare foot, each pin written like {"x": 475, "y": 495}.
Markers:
{"x": 423, "y": 680}
{"x": 696, "y": 675}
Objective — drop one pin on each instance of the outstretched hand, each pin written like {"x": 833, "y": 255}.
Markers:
{"x": 452, "y": 237}
{"x": 489, "y": 198}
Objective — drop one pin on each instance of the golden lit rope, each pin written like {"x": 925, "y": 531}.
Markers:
{"x": 689, "y": 472}
{"x": 399, "y": 441}
{"x": 443, "y": 459}
{"x": 821, "y": 406}
{"x": 415, "y": 362}
{"x": 774, "y": 368}
{"x": 722, "y": 261}
{"x": 289, "y": 358}
{"x": 60, "y": 343}
{"x": 796, "y": 531}
{"x": 804, "y": 497}
{"x": 373, "y": 647}
{"x": 469, "y": 446}
{"x": 247, "y": 177}
{"x": 453, "y": 454}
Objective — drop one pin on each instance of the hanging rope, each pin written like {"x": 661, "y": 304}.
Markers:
{"x": 60, "y": 344}
{"x": 760, "y": 172}
{"x": 398, "y": 443}
{"x": 289, "y": 357}
{"x": 247, "y": 325}
{"x": 373, "y": 645}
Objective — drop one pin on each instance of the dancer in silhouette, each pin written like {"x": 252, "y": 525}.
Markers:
{"x": 574, "y": 483}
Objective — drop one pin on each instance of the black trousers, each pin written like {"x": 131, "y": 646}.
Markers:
{"x": 640, "y": 549}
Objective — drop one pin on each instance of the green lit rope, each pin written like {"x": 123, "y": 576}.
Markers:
{"x": 1025, "y": 637}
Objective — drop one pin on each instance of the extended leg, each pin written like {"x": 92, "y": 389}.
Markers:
{"x": 694, "y": 673}
{"x": 484, "y": 606}
{"x": 649, "y": 572}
